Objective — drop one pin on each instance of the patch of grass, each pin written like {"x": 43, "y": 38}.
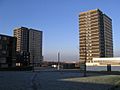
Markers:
{"x": 106, "y": 79}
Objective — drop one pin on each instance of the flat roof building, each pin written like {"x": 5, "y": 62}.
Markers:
{"x": 30, "y": 40}
{"x": 95, "y": 35}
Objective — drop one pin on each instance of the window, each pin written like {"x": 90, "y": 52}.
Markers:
{"x": 90, "y": 51}
{"x": 0, "y": 37}
{"x": 89, "y": 19}
{"x": 4, "y": 38}
{"x": 89, "y": 29}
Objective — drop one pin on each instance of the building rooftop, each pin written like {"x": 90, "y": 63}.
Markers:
{"x": 90, "y": 11}
{"x": 5, "y": 35}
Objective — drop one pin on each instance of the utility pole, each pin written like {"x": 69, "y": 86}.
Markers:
{"x": 58, "y": 60}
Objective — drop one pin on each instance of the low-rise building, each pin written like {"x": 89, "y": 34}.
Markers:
{"x": 115, "y": 61}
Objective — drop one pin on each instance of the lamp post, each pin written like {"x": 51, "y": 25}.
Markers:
{"x": 58, "y": 60}
{"x": 84, "y": 50}
{"x": 85, "y": 57}
{"x": 85, "y": 60}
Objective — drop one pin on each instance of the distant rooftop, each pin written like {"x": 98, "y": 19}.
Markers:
{"x": 27, "y": 28}
{"x": 5, "y": 35}
{"x": 90, "y": 11}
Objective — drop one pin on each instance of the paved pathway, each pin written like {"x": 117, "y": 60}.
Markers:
{"x": 46, "y": 80}
{"x": 12, "y": 80}
{"x": 54, "y": 81}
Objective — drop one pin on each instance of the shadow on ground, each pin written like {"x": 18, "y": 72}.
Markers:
{"x": 53, "y": 81}
{"x": 57, "y": 81}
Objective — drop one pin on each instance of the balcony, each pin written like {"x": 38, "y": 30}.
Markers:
{"x": 95, "y": 40}
{"x": 95, "y": 47}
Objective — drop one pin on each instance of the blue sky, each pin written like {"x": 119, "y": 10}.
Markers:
{"x": 58, "y": 19}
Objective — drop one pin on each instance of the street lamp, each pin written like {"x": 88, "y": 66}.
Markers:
{"x": 84, "y": 50}
{"x": 85, "y": 61}
{"x": 58, "y": 60}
